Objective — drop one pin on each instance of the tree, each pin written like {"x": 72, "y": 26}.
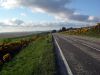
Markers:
{"x": 53, "y": 31}
{"x": 63, "y": 29}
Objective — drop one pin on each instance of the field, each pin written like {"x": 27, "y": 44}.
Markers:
{"x": 36, "y": 59}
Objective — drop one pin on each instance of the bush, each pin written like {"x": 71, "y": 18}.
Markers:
{"x": 7, "y": 57}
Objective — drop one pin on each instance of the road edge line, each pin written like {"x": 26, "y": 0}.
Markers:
{"x": 64, "y": 60}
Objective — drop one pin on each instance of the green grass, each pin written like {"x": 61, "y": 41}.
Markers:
{"x": 36, "y": 59}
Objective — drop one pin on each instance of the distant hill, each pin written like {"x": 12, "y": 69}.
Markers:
{"x": 16, "y": 34}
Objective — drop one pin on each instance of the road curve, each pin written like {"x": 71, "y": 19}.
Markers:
{"x": 83, "y": 56}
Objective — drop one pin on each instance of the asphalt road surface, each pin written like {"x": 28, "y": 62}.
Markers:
{"x": 82, "y": 55}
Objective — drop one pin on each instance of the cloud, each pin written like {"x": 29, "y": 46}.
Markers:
{"x": 92, "y": 18}
{"x": 12, "y": 22}
{"x": 22, "y": 24}
{"x": 58, "y": 8}
{"x": 16, "y": 25}
{"x": 9, "y": 4}
{"x": 17, "y": 22}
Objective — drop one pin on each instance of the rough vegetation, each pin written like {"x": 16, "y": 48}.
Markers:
{"x": 93, "y": 31}
{"x": 9, "y": 49}
{"x": 36, "y": 59}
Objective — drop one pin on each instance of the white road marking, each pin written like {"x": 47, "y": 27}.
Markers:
{"x": 90, "y": 46}
{"x": 64, "y": 60}
{"x": 84, "y": 44}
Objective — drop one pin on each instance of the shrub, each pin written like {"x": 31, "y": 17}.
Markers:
{"x": 7, "y": 57}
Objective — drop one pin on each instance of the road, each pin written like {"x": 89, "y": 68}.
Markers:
{"x": 82, "y": 55}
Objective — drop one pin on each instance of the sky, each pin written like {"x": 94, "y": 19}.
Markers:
{"x": 41, "y": 15}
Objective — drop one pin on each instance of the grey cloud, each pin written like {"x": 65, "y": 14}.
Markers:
{"x": 44, "y": 3}
{"x": 50, "y": 6}
{"x": 84, "y": 18}
{"x": 57, "y": 8}
{"x": 79, "y": 17}
{"x": 11, "y": 23}
{"x": 17, "y": 22}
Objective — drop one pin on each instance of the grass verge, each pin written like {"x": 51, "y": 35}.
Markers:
{"x": 36, "y": 59}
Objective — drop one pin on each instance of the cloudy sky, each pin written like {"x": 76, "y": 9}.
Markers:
{"x": 37, "y": 15}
